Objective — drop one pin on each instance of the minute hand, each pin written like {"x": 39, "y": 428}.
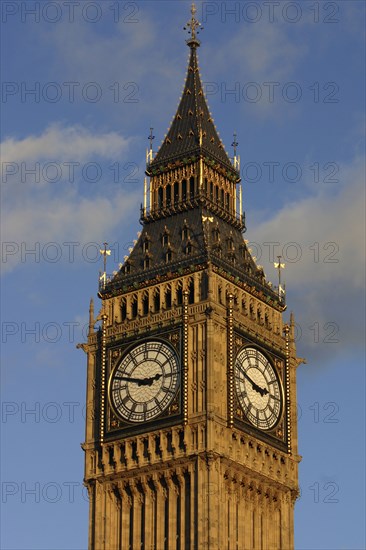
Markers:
{"x": 138, "y": 381}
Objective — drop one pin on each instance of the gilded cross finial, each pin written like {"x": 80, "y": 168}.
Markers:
{"x": 236, "y": 157}
{"x": 103, "y": 277}
{"x": 235, "y": 144}
{"x": 279, "y": 265}
{"x": 151, "y": 138}
{"x": 193, "y": 27}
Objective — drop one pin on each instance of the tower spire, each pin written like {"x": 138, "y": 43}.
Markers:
{"x": 192, "y": 131}
{"x": 193, "y": 27}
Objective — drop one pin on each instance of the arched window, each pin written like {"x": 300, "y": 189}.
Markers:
{"x": 165, "y": 237}
{"x": 176, "y": 192}
{"x": 179, "y": 294}
{"x": 157, "y": 300}
{"x": 216, "y": 194}
{"x": 168, "y": 193}
{"x": 227, "y": 201}
{"x": 145, "y": 304}
{"x": 191, "y": 292}
{"x": 259, "y": 316}
{"x": 188, "y": 248}
{"x": 168, "y": 297}
{"x": 185, "y": 233}
{"x": 160, "y": 197}
{"x": 134, "y": 306}
{"x": 216, "y": 235}
{"x": 184, "y": 190}
{"x": 191, "y": 188}
{"x": 123, "y": 309}
{"x": 126, "y": 268}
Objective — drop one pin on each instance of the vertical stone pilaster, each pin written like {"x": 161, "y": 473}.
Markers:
{"x": 160, "y": 513}
{"x": 137, "y": 503}
{"x": 100, "y": 516}
{"x": 92, "y": 515}
{"x": 183, "y": 544}
{"x": 173, "y": 493}
{"x": 193, "y": 506}
{"x": 108, "y": 518}
{"x": 149, "y": 504}
{"x": 126, "y": 514}
{"x": 118, "y": 518}
{"x": 241, "y": 517}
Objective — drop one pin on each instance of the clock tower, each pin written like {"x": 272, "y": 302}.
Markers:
{"x": 191, "y": 431}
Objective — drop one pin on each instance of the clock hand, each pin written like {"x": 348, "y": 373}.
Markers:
{"x": 150, "y": 381}
{"x": 129, "y": 379}
{"x": 262, "y": 391}
{"x": 140, "y": 381}
{"x": 258, "y": 389}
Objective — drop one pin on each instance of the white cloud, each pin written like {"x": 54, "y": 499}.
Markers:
{"x": 330, "y": 216}
{"x": 45, "y": 219}
{"x": 131, "y": 57}
{"x": 325, "y": 287}
{"x": 263, "y": 52}
{"x": 62, "y": 211}
{"x": 61, "y": 143}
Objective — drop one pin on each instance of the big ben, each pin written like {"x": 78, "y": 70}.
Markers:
{"x": 191, "y": 431}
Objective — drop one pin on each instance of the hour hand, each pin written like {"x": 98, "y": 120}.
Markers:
{"x": 262, "y": 391}
{"x": 258, "y": 389}
{"x": 150, "y": 381}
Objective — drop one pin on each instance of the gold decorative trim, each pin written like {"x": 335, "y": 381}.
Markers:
{"x": 185, "y": 357}
{"x": 102, "y": 386}
{"x": 230, "y": 360}
{"x": 288, "y": 394}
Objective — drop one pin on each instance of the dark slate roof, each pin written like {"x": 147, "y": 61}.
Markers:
{"x": 211, "y": 239}
{"x": 192, "y": 130}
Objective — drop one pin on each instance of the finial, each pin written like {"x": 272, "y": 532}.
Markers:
{"x": 236, "y": 157}
{"x": 103, "y": 277}
{"x": 193, "y": 27}
{"x": 149, "y": 152}
{"x": 151, "y": 138}
{"x": 278, "y": 265}
{"x": 91, "y": 316}
{"x": 235, "y": 143}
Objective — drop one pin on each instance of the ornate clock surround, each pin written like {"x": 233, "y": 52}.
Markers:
{"x": 116, "y": 426}
{"x": 279, "y": 435}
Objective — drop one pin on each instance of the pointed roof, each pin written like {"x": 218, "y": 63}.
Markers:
{"x": 211, "y": 239}
{"x": 192, "y": 130}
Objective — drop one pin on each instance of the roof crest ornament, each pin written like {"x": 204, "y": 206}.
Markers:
{"x": 193, "y": 27}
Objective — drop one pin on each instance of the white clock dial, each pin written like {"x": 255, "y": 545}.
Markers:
{"x": 258, "y": 389}
{"x": 145, "y": 382}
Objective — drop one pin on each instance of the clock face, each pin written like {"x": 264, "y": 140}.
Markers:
{"x": 258, "y": 389}
{"x": 145, "y": 382}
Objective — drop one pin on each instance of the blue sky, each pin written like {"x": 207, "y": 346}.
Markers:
{"x": 289, "y": 78}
